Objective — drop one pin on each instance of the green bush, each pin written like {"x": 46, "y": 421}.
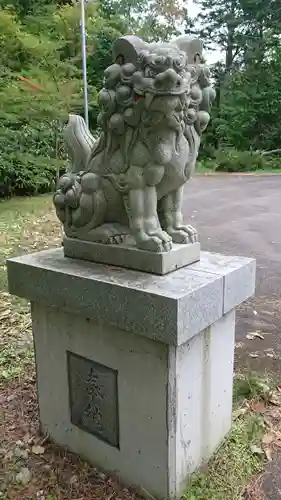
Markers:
{"x": 26, "y": 174}
{"x": 231, "y": 160}
{"x": 273, "y": 163}
{"x": 30, "y": 157}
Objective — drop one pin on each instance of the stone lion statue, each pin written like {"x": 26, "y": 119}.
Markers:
{"x": 129, "y": 182}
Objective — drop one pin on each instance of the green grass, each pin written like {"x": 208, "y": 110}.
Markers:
{"x": 236, "y": 461}
{"x": 233, "y": 465}
{"x": 24, "y": 227}
{"x": 268, "y": 171}
{"x": 14, "y": 360}
{"x": 252, "y": 386}
{"x": 203, "y": 169}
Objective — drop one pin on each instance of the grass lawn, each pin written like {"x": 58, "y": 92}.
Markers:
{"x": 202, "y": 169}
{"x": 33, "y": 467}
{"x": 26, "y": 225}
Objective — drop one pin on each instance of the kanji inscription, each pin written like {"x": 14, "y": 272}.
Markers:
{"x": 93, "y": 398}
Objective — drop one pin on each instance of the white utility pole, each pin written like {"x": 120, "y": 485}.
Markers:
{"x": 84, "y": 62}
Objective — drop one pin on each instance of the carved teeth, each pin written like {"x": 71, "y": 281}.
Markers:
{"x": 148, "y": 99}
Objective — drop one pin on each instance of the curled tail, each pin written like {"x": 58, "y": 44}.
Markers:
{"x": 79, "y": 142}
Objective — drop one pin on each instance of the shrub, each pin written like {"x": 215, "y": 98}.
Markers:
{"x": 231, "y": 160}
{"x": 24, "y": 174}
{"x": 30, "y": 157}
{"x": 37, "y": 91}
{"x": 273, "y": 163}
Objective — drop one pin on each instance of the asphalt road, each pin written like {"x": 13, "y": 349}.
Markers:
{"x": 241, "y": 215}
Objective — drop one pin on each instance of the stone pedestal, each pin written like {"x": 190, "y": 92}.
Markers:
{"x": 134, "y": 370}
{"x": 131, "y": 257}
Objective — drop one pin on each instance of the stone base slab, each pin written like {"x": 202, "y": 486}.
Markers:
{"x": 132, "y": 257}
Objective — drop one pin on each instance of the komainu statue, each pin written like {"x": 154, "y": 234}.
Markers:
{"x": 128, "y": 183}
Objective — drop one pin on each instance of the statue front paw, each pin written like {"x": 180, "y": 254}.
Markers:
{"x": 67, "y": 196}
{"x": 164, "y": 237}
{"x": 68, "y": 192}
{"x": 183, "y": 234}
{"x": 74, "y": 198}
{"x": 153, "y": 244}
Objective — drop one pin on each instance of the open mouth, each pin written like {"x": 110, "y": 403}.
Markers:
{"x": 148, "y": 94}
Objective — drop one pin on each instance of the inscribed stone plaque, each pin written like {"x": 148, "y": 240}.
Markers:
{"x": 93, "y": 398}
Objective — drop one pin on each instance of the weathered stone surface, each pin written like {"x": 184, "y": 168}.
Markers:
{"x": 151, "y": 399}
{"x": 155, "y": 105}
{"x": 174, "y": 402}
{"x": 202, "y": 396}
{"x": 93, "y": 398}
{"x": 189, "y": 299}
{"x": 131, "y": 257}
{"x": 140, "y": 362}
{"x": 238, "y": 273}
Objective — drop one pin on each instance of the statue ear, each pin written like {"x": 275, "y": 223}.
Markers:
{"x": 127, "y": 48}
{"x": 193, "y": 47}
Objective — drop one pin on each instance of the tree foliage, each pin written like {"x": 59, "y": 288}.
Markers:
{"x": 149, "y": 19}
{"x": 37, "y": 91}
{"x": 41, "y": 75}
{"x": 248, "y": 101}
{"x": 41, "y": 83}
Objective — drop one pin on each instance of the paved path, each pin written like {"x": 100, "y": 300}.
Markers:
{"x": 241, "y": 215}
